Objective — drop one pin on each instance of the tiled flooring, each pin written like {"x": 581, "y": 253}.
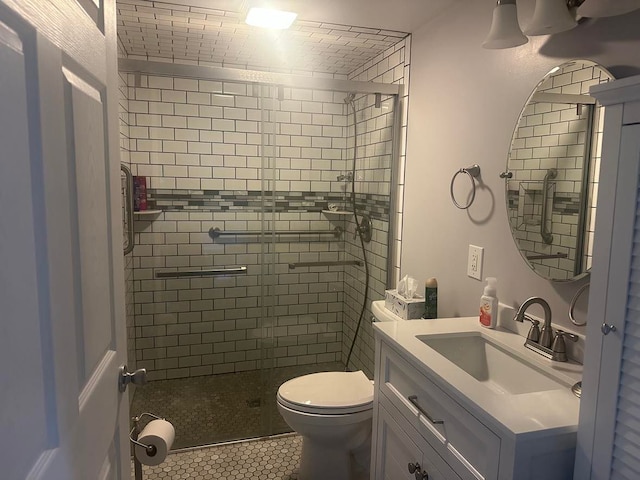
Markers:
{"x": 271, "y": 458}
{"x": 221, "y": 408}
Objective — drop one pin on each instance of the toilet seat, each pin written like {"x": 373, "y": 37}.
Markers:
{"x": 328, "y": 393}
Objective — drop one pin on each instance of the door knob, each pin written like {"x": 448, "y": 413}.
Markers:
{"x": 139, "y": 377}
{"x": 418, "y": 472}
{"x": 606, "y": 328}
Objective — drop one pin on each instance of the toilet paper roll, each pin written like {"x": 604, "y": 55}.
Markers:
{"x": 159, "y": 434}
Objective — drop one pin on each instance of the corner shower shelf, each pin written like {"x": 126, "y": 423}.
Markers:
{"x": 337, "y": 212}
{"x": 148, "y": 212}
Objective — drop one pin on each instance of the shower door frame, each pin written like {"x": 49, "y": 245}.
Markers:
{"x": 260, "y": 79}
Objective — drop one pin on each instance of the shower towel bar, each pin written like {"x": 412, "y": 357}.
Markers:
{"x": 209, "y": 272}
{"x": 325, "y": 264}
{"x": 216, "y": 232}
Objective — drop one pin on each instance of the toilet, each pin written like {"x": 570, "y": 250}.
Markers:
{"x": 332, "y": 411}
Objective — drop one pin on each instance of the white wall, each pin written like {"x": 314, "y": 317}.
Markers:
{"x": 464, "y": 103}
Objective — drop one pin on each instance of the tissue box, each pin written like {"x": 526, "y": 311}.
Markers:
{"x": 404, "y": 308}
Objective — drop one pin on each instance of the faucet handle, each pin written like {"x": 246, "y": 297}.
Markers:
{"x": 534, "y": 331}
{"x": 571, "y": 336}
{"x": 559, "y": 348}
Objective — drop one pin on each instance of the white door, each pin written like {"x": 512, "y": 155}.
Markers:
{"x": 62, "y": 335}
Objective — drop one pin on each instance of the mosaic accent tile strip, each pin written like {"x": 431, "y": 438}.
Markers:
{"x": 270, "y": 458}
{"x": 563, "y": 203}
{"x": 250, "y": 201}
{"x": 220, "y": 408}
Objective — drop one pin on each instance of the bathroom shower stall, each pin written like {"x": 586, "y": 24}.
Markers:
{"x": 247, "y": 268}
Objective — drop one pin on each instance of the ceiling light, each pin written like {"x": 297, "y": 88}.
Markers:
{"x": 269, "y": 18}
{"x": 551, "y": 16}
{"x": 607, "y": 8}
{"x": 505, "y": 31}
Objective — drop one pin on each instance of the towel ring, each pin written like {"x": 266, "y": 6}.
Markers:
{"x": 572, "y": 305}
{"x": 474, "y": 172}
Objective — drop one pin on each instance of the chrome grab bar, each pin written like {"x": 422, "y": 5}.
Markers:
{"x": 216, "y": 232}
{"x": 325, "y": 264}
{"x": 414, "y": 400}
{"x": 546, "y": 235}
{"x": 547, "y": 257}
{"x": 207, "y": 272}
{"x": 128, "y": 193}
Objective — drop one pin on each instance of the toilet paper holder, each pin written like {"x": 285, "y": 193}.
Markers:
{"x": 133, "y": 437}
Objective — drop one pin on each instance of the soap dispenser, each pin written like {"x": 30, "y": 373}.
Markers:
{"x": 489, "y": 304}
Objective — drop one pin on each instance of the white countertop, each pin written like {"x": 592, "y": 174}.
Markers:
{"x": 536, "y": 413}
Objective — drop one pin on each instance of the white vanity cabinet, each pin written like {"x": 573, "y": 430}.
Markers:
{"x": 417, "y": 421}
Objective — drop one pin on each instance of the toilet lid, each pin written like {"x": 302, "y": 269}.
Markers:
{"x": 328, "y": 392}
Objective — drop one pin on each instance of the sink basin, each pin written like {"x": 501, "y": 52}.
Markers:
{"x": 490, "y": 364}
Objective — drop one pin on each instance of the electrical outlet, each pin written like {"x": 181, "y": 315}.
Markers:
{"x": 474, "y": 263}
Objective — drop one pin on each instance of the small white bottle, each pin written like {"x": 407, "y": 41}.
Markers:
{"x": 489, "y": 304}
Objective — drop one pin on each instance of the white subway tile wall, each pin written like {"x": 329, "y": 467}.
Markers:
{"x": 167, "y": 32}
{"x": 199, "y": 144}
{"x": 202, "y": 157}
{"x": 554, "y": 136}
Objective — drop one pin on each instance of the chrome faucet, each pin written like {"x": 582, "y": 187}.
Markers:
{"x": 545, "y": 336}
{"x": 543, "y": 341}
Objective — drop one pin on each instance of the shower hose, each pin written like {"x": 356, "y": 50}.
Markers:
{"x": 350, "y": 100}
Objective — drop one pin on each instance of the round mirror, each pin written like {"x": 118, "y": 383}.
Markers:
{"x": 552, "y": 172}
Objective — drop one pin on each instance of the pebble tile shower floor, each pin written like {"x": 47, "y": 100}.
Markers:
{"x": 271, "y": 458}
{"x": 220, "y": 408}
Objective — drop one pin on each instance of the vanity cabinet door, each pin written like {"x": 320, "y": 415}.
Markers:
{"x": 458, "y": 437}
{"x": 400, "y": 445}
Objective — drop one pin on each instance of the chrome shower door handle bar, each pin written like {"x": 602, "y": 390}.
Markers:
{"x": 544, "y": 233}
{"x": 209, "y": 272}
{"x": 414, "y": 400}
{"x": 128, "y": 207}
{"x": 216, "y": 232}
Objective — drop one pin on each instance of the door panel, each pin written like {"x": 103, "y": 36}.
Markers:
{"x": 86, "y": 143}
{"x": 62, "y": 336}
{"x": 19, "y": 276}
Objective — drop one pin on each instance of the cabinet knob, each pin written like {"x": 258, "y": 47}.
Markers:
{"x": 413, "y": 467}
{"x": 606, "y": 328}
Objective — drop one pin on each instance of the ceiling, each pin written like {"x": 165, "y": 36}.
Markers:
{"x": 329, "y": 36}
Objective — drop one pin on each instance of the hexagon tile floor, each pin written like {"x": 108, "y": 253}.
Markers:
{"x": 220, "y": 408}
{"x": 274, "y": 458}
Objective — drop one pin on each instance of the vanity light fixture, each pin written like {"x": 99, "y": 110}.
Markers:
{"x": 505, "y": 31}
{"x": 607, "y": 8}
{"x": 270, "y": 18}
{"x": 549, "y": 17}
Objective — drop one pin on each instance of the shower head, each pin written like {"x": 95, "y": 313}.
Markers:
{"x": 350, "y": 97}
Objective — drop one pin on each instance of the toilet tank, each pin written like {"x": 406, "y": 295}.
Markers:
{"x": 381, "y": 314}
